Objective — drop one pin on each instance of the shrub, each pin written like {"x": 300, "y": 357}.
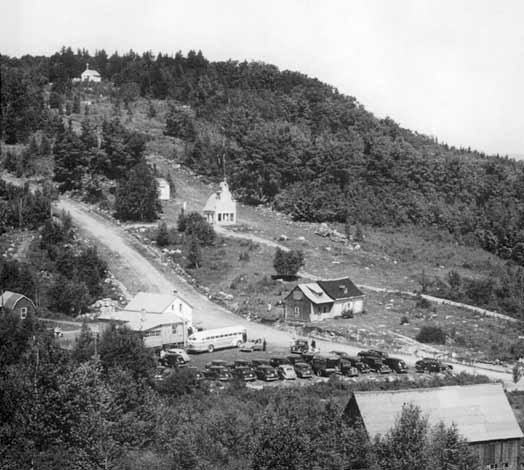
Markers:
{"x": 162, "y": 235}
{"x": 244, "y": 256}
{"x": 288, "y": 263}
{"x": 431, "y": 334}
{"x": 423, "y": 302}
{"x": 404, "y": 320}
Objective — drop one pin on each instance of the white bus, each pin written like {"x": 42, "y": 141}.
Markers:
{"x": 218, "y": 338}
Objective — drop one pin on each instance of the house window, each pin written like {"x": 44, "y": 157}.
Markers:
{"x": 220, "y": 217}
{"x": 180, "y": 307}
{"x": 173, "y": 329}
{"x": 297, "y": 311}
{"x": 232, "y": 217}
{"x": 149, "y": 333}
{"x": 23, "y": 313}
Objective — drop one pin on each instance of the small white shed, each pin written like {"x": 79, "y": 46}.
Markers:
{"x": 164, "y": 191}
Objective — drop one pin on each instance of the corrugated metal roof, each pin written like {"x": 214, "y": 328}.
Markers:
{"x": 340, "y": 288}
{"x": 480, "y": 412}
{"x": 315, "y": 293}
{"x": 9, "y": 299}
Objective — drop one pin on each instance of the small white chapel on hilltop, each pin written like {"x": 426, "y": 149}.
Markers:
{"x": 221, "y": 208}
{"x": 90, "y": 75}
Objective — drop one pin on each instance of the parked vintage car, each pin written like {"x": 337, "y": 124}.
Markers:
{"x": 293, "y": 359}
{"x": 242, "y": 363}
{"x": 276, "y": 361}
{"x": 266, "y": 372}
{"x": 286, "y": 372}
{"x": 373, "y": 353}
{"x": 303, "y": 370}
{"x": 397, "y": 365}
{"x": 217, "y": 362}
{"x": 250, "y": 346}
{"x": 308, "y": 357}
{"x": 375, "y": 364}
{"x": 259, "y": 362}
{"x": 172, "y": 360}
{"x": 428, "y": 364}
{"x": 348, "y": 369}
{"x": 219, "y": 373}
{"x": 244, "y": 373}
{"x": 180, "y": 352}
{"x": 355, "y": 361}
{"x": 326, "y": 365}
{"x": 299, "y": 346}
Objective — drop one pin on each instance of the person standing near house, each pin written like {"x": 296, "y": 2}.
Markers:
{"x": 264, "y": 344}
{"x": 313, "y": 345}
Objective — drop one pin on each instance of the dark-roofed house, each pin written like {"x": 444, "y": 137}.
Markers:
{"x": 16, "y": 303}
{"x": 481, "y": 413}
{"x": 316, "y": 301}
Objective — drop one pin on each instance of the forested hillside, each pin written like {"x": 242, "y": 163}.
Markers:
{"x": 293, "y": 142}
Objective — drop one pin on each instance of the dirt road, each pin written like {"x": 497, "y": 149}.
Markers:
{"x": 137, "y": 273}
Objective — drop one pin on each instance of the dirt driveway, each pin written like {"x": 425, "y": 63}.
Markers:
{"x": 137, "y": 273}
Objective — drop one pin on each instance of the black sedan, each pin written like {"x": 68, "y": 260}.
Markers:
{"x": 219, "y": 373}
{"x": 266, "y": 373}
{"x": 303, "y": 370}
{"x": 245, "y": 374}
{"x": 429, "y": 364}
{"x": 397, "y": 365}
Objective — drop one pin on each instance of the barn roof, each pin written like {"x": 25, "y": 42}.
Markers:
{"x": 480, "y": 412}
{"x": 340, "y": 288}
{"x": 315, "y": 293}
{"x": 9, "y": 299}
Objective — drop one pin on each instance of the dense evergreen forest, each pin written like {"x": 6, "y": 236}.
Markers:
{"x": 293, "y": 142}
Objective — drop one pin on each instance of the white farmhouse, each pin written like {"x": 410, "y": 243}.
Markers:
{"x": 163, "y": 319}
{"x": 90, "y": 75}
{"x": 164, "y": 191}
{"x": 221, "y": 208}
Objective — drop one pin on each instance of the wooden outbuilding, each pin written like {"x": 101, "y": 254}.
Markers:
{"x": 163, "y": 319}
{"x": 17, "y": 304}
{"x": 316, "y": 301}
{"x": 481, "y": 413}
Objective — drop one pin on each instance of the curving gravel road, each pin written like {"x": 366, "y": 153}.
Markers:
{"x": 137, "y": 272}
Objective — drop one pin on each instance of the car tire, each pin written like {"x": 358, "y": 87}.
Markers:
{"x": 239, "y": 343}
{"x": 210, "y": 348}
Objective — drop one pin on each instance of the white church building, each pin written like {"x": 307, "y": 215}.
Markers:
{"x": 221, "y": 208}
{"x": 90, "y": 75}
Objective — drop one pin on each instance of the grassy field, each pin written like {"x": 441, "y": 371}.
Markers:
{"x": 394, "y": 258}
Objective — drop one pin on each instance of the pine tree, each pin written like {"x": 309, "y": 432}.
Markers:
{"x": 162, "y": 235}
{"x": 84, "y": 345}
{"x": 76, "y": 104}
{"x": 137, "y": 195}
{"x": 194, "y": 254}
{"x": 70, "y": 161}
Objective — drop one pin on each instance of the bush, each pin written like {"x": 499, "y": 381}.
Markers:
{"x": 404, "y": 320}
{"x": 423, "y": 302}
{"x": 288, "y": 263}
{"x": 431, "y": 334}
{"x": 194, "y": 225}
{"x": 162, "y": 235}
